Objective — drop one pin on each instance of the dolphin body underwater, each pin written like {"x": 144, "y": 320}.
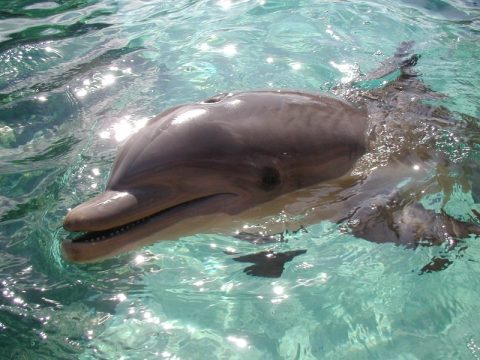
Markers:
{"x": 214, "y": 166}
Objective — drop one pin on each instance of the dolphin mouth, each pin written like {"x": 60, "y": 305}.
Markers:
{"x": 97, "y": 245}
{"x": 96, "y": 236}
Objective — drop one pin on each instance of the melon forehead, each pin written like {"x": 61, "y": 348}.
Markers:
{"x": 257, "y": 128}
{"x": 264, "y": 121}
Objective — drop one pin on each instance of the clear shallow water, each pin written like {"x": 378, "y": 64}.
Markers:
{"x": 77, "y": 77}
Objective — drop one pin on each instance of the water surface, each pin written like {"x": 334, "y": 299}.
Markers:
{"x": 78, "y": 77}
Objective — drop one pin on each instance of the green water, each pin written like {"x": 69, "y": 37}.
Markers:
{"x": 76, "y": 77}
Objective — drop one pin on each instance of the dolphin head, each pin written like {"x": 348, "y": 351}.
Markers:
{"x": 223, "y": 155}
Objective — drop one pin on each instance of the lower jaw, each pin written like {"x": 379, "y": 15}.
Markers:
{"x": 86, "y": 252}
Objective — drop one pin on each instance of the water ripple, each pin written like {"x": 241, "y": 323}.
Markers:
{"x": 76, "y": 77}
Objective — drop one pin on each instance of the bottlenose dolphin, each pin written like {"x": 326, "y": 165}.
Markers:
{"x": 200, "y": 167}
{"x": 224, "y": 155}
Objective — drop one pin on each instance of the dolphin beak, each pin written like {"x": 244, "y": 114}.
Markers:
{"x": 116, "y": 222}
{"x": 104, "y": 211}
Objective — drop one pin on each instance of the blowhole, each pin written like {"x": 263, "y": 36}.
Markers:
{"x": 215, "y": 99}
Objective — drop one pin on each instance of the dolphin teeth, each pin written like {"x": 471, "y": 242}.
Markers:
{"x": 106, "y": 234}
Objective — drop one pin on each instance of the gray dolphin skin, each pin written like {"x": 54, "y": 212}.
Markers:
{"x": 228, "y": 161}
{"x": 223, "y": 155}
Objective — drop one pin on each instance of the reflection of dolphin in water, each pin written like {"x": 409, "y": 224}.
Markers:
{"x": 217, "y": 165}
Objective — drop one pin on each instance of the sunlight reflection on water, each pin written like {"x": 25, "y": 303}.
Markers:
{"x": 78, "y": 78}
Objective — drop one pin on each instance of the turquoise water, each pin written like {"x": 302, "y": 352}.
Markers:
{"x": 76, "y": 77}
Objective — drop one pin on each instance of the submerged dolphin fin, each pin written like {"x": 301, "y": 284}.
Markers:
{"x": 454, "y": 250}
{"x": 268, "y": 263}
{"x": 402, "y": 60}
{"x": 436, "y": 264}
{"x": 410, "y": 225}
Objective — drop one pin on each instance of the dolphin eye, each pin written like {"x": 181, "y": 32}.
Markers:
{"x": 215, "y": 99}
{"x": 270, "y": 178}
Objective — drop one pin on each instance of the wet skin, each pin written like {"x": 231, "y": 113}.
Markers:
{"x": 212, "y": 161}
{"x": 214, "y": 166}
